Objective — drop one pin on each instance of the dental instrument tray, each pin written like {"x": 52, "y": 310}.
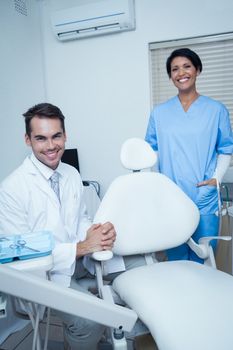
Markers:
{"x": 25, "y": 246}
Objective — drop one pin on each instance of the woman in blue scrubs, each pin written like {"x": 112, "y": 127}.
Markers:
{"x": 193, "y": 138}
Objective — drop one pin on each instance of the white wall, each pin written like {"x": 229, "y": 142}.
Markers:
{"x": 101, "y": 84}
{"x": 21, "y": 77}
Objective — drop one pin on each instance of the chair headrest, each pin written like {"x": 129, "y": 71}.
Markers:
{"x": 137, "y": 154}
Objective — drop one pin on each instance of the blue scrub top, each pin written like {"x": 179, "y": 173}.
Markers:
{"x": 188, "y": 144}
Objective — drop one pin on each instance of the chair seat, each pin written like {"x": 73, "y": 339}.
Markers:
{"x": 184, "y": 304}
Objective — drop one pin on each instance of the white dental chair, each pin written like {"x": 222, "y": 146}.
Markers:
{"x": 184, "y": 304}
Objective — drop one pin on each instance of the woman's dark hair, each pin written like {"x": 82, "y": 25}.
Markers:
{"x": 43, "y": 110}
{"x": 184, "y": 52}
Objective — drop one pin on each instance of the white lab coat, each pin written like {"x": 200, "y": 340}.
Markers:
{"x": 28, "y": 204}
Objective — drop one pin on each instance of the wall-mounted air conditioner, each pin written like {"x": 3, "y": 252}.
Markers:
{"x": 96, "y": 18}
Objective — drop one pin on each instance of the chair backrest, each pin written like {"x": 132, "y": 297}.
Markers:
{"x": 149, "y": 211}
{"x": 136, "y": 154}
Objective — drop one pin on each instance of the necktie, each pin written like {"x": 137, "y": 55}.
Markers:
{"x": 54, "y": 180}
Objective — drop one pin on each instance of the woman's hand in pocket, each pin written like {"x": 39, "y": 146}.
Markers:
{"x": 210, "y": 182}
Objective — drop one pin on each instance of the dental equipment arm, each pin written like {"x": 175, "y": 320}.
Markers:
{"x": 48, "y": 293}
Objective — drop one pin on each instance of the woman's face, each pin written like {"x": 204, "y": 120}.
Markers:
{"x": 183, "y": 74}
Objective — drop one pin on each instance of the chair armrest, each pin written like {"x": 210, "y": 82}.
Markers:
{"x": 202, "y": 247}
{"x": 201, "y": 250}
{"x": 207, "y": 240}
{"x": 204, "y": 250}
{"x": 103, "y": 255}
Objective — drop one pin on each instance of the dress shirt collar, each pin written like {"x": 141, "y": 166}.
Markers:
{"x": 43, "y": 169}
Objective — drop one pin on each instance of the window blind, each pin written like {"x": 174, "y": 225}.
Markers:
{"x": 216, "y": 79}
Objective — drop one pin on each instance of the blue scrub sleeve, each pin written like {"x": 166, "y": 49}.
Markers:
{"x": 225, "y": 137}
{"x": 151, "y": 136}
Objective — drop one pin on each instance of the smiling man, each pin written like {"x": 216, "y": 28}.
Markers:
{"x": 29, "y": 203}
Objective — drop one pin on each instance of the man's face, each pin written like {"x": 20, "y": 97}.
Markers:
{"x": 47, "y": 140}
